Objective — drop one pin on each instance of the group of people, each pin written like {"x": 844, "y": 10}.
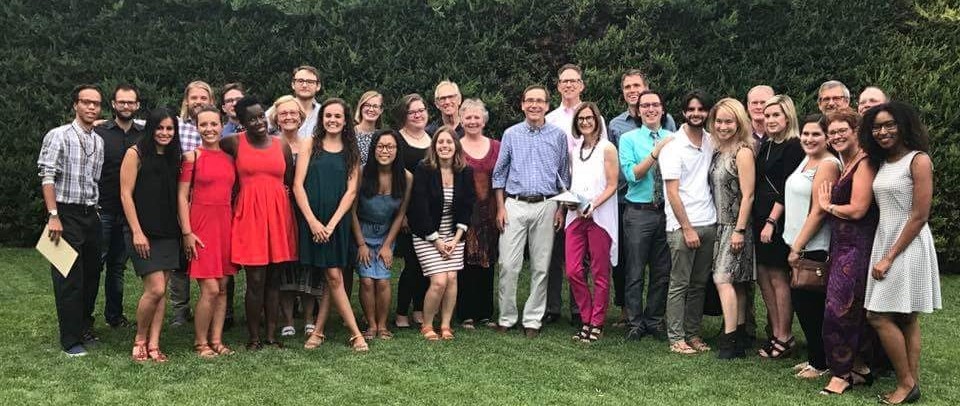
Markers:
{"x": 303, "y": 194}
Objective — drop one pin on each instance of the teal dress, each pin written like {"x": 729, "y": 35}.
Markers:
{"x": 325, "y": 184}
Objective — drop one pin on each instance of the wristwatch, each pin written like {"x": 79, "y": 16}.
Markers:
{"x": 53, "y": 213}
{"x": 740, "y": 230}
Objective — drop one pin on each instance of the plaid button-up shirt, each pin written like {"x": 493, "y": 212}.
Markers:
{"x": 71, "y": 159}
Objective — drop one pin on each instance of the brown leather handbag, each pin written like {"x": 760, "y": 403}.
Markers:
{"x": 809, "y": 274}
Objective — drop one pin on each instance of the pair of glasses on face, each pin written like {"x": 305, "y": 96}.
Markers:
{"x": 301, "y": 82}
{"x": 125, "y": 103}
{"x": 835, "y": 99}
{"x": 889, "y": 126}
{"x": 650, "y": 105}
{"x": 416, "y": 112}
{"x": 570, "y": 81}
{"x": 386, "y": 148}
{"x": 535, "y": 101}
{"x": 288, "y": 114}
{"x": 371, "y": 107}
{"x": 88, "y": 102}
{"x": 585, "y": 119}
{"x": 448, "y": 97}
{"x": 839, "y": 131}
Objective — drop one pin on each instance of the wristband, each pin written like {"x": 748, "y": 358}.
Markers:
{"x": 740, "y": 230}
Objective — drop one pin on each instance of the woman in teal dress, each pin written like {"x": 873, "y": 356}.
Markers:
{"x": 325, "y": 185}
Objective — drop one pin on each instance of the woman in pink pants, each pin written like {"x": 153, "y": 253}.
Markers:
{"x": 592, "y": 228}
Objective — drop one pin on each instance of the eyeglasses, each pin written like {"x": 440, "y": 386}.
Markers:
{"x": 835, "y": 99}
{"x": 839, "y": 131}
{"x": 570, "y": 81}
{"x": 386, "y": 148}
{"x": 416, "y": 112}
{"x": 302, "y": 82}
{"x": 232, "y": 100}
{"x": 88, "y": 102}
{"x": 890, "y": 126}
{"x": 371, "y": 107}
{"x": 290, "y": 113}
{"x": 535, "y": 101}
{"x": 126, "y": 103}
{"x": 650, "y": 105}
{"x": 446, "y": 98}
{"x": 584, "y": 119}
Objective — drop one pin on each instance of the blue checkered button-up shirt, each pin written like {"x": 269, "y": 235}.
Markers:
{"x": 532, "y": 161}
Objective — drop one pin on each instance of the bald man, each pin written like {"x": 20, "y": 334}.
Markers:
{"x": 869, "y": 97}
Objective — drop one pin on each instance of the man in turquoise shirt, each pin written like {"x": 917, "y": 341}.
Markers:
{"x": 644, "y": 222}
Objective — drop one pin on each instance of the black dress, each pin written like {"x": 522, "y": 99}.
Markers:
{"x": 775, "y": 162}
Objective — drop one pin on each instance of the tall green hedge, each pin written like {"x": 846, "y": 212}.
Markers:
{"x": 492, "y": 48}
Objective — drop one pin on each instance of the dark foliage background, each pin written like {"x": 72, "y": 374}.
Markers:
{"x": 493, "y": 49}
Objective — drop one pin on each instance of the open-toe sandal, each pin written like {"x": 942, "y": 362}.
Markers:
{"x": 369, "y": 334}
{"x": 428, "y": 333}
{"x": 358, "y": 343}
{"x": 779, "y": 349}
{"x": 314, "y": 341}
{"x": 221, "y": 349}
{"x": 385, "y": 334}
{"x": 468, "y": 324}
{"x": 698, "y": 344}
{"x": 595, "y": 333}
{"x": 203, "y": 350}
{"x": 139, "y": 353}
{"x": 681, "y": 347}
{"x": 156, "y": 355}
{"x": 446, "y": 333}
{"x": 582, "y": 334}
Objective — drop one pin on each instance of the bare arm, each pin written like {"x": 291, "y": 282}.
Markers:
{"x": 860, "y": 199}
{"x": 346, "y": 202}
{"x": 746, "y": 168}
{"x": 128, "y": 182}
{"x": 921, "y": 169}
{"x": 611, "y": 171}
{"x": 300, "y": 194}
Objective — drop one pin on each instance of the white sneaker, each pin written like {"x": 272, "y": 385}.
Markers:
{"x": 288, "y": 331}
{"x": 308, "y": 329}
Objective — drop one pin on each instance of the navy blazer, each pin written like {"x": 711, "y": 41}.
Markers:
{"x": 426, "y": 199}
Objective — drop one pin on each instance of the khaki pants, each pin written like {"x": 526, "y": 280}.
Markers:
{"x": 527, "y": 224}
{"x": 688, "y": 277}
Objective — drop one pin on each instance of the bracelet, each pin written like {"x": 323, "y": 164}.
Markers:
{"x": 740, "y": 230}
{"x": 771, "y": 221}
{"x": 187, "y": 233}
{"x": 654, "y": 157}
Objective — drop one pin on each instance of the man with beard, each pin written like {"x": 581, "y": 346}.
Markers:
{"x": 229, "y": 96}
{"x": 832, "y": 96}
{"x": 118, "y": 135}
{"x": 756, "y": 97}
{"x": 306, "y": 85}
{"x": 197, "y": 95}
{"x": 869, "y": 97}
{"x": 643, "y": 221}
{"x": 70, "y": 161}
{"x": 447, "y": 98}
{"x": 691, "y": 224}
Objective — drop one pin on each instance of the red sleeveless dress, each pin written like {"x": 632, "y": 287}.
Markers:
{"x": 264, "y": 231}
{"x": 213, "y": 175}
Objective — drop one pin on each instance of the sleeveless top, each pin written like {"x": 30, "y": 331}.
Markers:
{"x": 725, "y": 185}
{"x": 155, "y": 197}
{"x": 588, "y": 180}
{"x": 798, "y": 191}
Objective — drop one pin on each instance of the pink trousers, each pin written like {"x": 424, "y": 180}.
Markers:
{"x": 583, "y": 236}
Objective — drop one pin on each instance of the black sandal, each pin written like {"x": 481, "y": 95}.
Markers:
{"x": 867, "y": 379}
{"x": 779, "y": 349}
{"x": 595, "y": 333}
{"x": 582, "y": 334}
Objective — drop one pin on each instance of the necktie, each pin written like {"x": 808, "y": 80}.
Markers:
{"x": 657, "y": 178}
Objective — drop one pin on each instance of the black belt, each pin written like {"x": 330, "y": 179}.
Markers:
{"x": 529, "y": 199}
{"x": 77, "y": 208}
{"x": 646, "y": 206}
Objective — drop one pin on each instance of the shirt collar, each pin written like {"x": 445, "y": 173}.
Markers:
{"x": 532, "y": 127}
{"x": 79, "y": 128}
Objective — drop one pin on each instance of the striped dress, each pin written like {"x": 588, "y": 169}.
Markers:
{"x": 427, "y": 253}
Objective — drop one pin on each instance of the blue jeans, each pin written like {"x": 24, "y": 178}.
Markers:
{"x": 114, "y": 257}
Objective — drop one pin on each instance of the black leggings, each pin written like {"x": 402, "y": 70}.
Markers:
{"x": 475, "y": 293}
{"x": 809, "y": 306}
{"x": 412, "y": 286}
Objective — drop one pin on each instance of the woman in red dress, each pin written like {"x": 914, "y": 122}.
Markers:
{"x": 263, "y": 235}
{"x": 206, "y": 186}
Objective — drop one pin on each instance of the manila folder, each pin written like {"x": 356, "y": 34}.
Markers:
{"x": 61, "y": 255}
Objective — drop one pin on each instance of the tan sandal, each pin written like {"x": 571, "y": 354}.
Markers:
{"x": 697, "y": 344}
{"x": 369, "y": 334}
{"x": 446, "y": 333}
{"x": 221, "y": 349}
{"x": 681, "y": 347}
{"x": 429, "y": 334}
{"x": 203, "y": 350}
{"x": 315, "y": 340}
{"x": 385, "y": 335}
{"x": 358, "y": 343}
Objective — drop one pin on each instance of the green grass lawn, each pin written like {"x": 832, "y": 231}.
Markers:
{"x": 480, "y": 367}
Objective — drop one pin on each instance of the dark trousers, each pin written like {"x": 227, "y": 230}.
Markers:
{"x": 555, "y": 274}
{"x": 412, "y": 286}
{"x": 180, "y": 292}
{"x": 76, "y": 294}
{"x": 114, "y": 258}
{"x": 475, "y": 293}
{"x": 809, "y": 306}
{"x": 646, "y": 245}
{"x": 231, "y": 289}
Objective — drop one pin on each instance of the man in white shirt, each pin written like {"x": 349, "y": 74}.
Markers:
{"x": 305, "y": 85}
{"x": 691, "y": 220}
